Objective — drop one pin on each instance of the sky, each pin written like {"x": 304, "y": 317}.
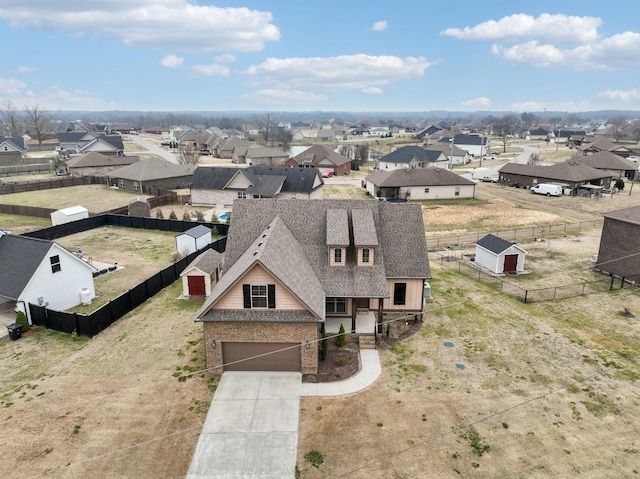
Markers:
{"x": 334, "y": 55}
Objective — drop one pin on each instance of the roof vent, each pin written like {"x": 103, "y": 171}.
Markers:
{"x": 438, "y": 170}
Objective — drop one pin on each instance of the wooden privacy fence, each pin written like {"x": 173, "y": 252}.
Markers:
{"x": 88, "y": 325}
{"x": 514, "y": 234}
{"x": 455, "y": 260}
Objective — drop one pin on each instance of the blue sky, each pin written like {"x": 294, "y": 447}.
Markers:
{"x": 295, "y": 55}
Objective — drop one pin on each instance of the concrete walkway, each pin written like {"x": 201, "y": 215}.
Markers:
{"x": 251, "y": 429}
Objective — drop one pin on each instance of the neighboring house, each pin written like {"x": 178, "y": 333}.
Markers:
{"x": 74, "y": 140}
{"x": 618, "y": 166}
{"x": 499, "y": 256}
{"x": 619, "y": 252}
{"x": 43, "y": 273}
{"x": 418, "y": 184}
{"x": 97, "y": 164}
{"x": 412, "y": 157}
{"x": 225, "y": 149}
{"x": 259, "y": 155}
{"x": 11, "y": 150}
{"x": 192, "y": 240}
{"x": 201, "y": 274}
{"x": 569, "y": 174}
{"x": 454, "y": 154}
{"x": 67, "y": 215}
{"x": 222, "y": 186}
{"x": 292, "y": 267}
{"x": 150, "y": 175}
{"x": 475, "y": 144}
{"x": 427, "y": 132}
{"x": 323, "y": 158}
{"x": 603, "y": 144}
{"x": 105, "y": 144}
{"x": 536, "y": 134}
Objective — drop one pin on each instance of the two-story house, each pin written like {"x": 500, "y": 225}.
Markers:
{"x": 297, "y": 269}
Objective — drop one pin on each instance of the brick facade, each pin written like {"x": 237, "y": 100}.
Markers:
{"x": 262, "y": 333}
{"x": 619, "y": 248}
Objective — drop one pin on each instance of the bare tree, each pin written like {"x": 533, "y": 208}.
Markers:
{"x": 188, "y": 154}
{"x": 618, "y": 124}
{"x": 264, "y": 124}
{"x": 361, "y": 154}
{"x": 36, "y": 122}
{"x": 504, "y": 128}
{"x": 635, "y": 131}
{"x": 534, "y": 159}
{"x": 11, "y": 119}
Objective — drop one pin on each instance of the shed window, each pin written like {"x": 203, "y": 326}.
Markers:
{"x": 136, "y": 186}
{"x": 365, "y": 255}
{"x": 400, "y": 294}
{"x": 457, "y": 193}
{"x": 426, "y": 190}
{"x": 55, "y": 264}
{"x": 337, "y": 255}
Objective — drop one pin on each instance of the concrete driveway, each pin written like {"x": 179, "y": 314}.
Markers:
{"x": 251, "y": 430}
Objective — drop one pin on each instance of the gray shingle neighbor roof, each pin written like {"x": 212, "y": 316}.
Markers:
{"x": 402, "y": 250}
{"x": 20, "y": 256}
{"x": 317, "y": 153}
{"x": 494, "y": 244}
{"x": 628, "y": 215}
{"x": 153, "y": 168}
{"x": 417, "y": 177}
{"x": 206, "y": 262}
{"x": 407, "y": 153}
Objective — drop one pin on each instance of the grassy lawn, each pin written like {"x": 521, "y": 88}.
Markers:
{"x": 21, "y": 224}
{"x": 96, "y": 198}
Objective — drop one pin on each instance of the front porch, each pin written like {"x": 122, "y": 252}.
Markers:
{"x": 365, "y": 323}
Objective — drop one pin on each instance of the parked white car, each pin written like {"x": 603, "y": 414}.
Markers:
{"x": 547, "y": 189}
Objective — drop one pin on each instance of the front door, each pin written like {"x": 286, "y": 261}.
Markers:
{"x": 510, "y": 263}
{"x": 196, "y": 285}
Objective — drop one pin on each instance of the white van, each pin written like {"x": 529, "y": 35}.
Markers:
{"x": 547, "y": 189}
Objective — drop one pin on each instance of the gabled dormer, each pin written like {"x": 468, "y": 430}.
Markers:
{"x": 337, "y": 236}
{"x": 365, "y": 237}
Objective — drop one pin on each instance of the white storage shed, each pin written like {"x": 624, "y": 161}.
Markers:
{"x": 499, "y": 256}
{"x": 201, "y": 275}
{"x": 192, "y": 240}
{"x": 67, "y": 215}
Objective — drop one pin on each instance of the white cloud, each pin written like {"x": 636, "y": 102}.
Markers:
{"x": 179, "y": 25}
{"x": 620, "y": 96}
{"x": 274, "y": 96}
{"x": 226, "y": 58}
{"x": 372, "y": 90}
{"x": 528, "y": 106}
{"x": 172, "y": 61}
{"x": 552, "y": 28}
{"x": 480, "y": 102}
{"x": 380, "y": 26}
{"x": 556, "y": 41}
{"x": 211, "y": 70}
{"x": 10, "y": 87}
{"x": 331, "y": 73}
{"x": 25, "y": 69}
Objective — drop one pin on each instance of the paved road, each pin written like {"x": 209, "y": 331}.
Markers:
{"x": 154, "y": 149}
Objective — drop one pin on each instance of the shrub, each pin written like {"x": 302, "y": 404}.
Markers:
{"x": 186, "y": 216}
{"x": 341, "y": 339}
{"x": 214, "y": 218}
{"x": 22, "y": 320}
{"x": 199, "y": 216}
{"x": 173, "y": 216}
{"x": 159, "y": 214}
{"x": 619, "y": 184}
{"x": 325, "y": 347}
{"x": 315, "y": 458}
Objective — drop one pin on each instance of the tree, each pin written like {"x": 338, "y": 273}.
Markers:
{"x": 635, "y": 131}
{"x": 361, "y": 154}
{"x": 504, "y": 128}
{"x": 341, "y": 339}
{"x": 264, "y": 124}
{"x": 37, "y": 121}
{"x": 528, "y": 119}
{"x": 618, "y": 124}
{"x": 188, "y": 154}
{"x": 619, "y": 184}
{"x": 11, "y": 119}
{"x": 534, "y": 159}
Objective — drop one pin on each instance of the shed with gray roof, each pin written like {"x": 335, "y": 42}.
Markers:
{"x": 499, "y": 256}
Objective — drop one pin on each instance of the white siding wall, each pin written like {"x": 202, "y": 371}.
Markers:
{"x": 62, "y": 289}
{"x": 487, "y": 259}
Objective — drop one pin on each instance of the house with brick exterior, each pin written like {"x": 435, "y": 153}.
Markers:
{"x": 323, "y": 158}
{"x": 418, "y": 184}
{"x": 619, "y": 252}
{"x": 295, "y": 270}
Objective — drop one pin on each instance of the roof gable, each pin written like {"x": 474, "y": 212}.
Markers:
{"x": 495, "y": 244}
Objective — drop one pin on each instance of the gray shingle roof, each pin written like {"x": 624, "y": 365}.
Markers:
{"x": 402, "y": 250}
{"x": 566, "y": 171}
{"x": 364, "y": 229}
{"x": 627, "y": 215}
{"x": 297, "y": 180}
{"x": 494, "y": 244}
{"x": 605, "y": 160}
{"x": 153, "y": 168}
{"x": 407, "y": 153}
{"x": 206, "y": 262}
{"x": 96, "y": 159}
{"x": 197, "y": 231}
{"x": 277, "y": 251}
{"x": 417, "y": 177}
{"x": 337, "y": 227}
{"x": 317, "y": 153}
{"x": 20, "y": 256}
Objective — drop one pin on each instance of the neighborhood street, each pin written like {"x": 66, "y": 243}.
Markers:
{"x": 154, "y": 149}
